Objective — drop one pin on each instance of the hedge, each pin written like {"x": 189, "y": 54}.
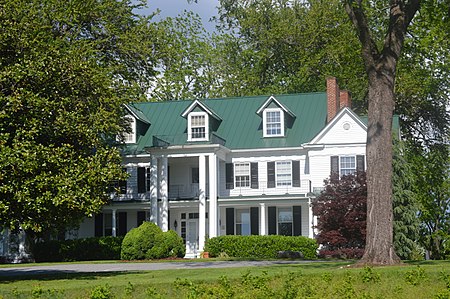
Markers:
{"x": 88, "y": 249}
{"x": 260, "y": 246}
{"x": 148, "y": 241}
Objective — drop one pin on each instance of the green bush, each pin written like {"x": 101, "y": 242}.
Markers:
{"x": 88, "y": 249}
{"x": 260, "y": 246}
{"x": 149, "y": 242}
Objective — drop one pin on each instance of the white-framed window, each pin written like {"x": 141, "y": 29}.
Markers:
{"x": 283, "y": 171}
{"x": 130, "y": 135}
{"x": 285, "y": 221}
{"x": 198, "y": 126}
{"x": 242, "y": 175}
{"x": 243, "y": 222}
{"x": 273, "y": 122}
{"x": 347, "y": 165}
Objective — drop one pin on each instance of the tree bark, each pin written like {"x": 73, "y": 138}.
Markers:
{"x": 380, "y": 67}
{"x": 379, "y": 248}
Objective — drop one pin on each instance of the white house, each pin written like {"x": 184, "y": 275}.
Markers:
{"x": 234, "y": 166}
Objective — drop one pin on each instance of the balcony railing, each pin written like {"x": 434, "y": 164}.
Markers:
{"x": 192, "y": 191}
{"x": 270, "y": 188}
{"x": 167, "y": 140}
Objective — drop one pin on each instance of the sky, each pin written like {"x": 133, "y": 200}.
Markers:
{"x": 171, "y": 8}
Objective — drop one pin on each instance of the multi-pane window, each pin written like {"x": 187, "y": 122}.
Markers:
{"x": 198, "y": 129}
{"x": 285, "y": 220}
{"x": 284, "y": 173}
{"x": 273, "y": 123}
{"x": 347, "y": 165}
{"x": 242, "y": 174}
{"x": 129, "y": 136}
{"x": 243, "y": 222}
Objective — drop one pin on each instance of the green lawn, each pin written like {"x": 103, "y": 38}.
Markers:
{"x": 317, "y": 280}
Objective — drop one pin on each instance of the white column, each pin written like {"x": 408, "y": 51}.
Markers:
{"x": 163, "y": 192}
{"x": 154, "y": 190}
{"x": 262, "y": 224}
{"x": 213, "y": 195}
{"x": 202, "y": 202}
{"x": 113, "y": 229}
{"x": 310, "y": 220}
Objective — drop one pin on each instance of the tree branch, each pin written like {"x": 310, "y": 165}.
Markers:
{"x": 356, "y": 14}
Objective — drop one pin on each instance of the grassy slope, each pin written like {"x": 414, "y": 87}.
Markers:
{"x": 317, "y": 280}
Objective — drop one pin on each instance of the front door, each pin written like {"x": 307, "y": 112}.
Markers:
{"x": 192, "y": 237}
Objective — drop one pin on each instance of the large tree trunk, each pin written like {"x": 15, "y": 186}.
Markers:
{"x": 379, "y": 236}
{"x": 380, "y": 67}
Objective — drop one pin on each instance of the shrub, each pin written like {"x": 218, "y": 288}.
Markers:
{"x": 260, "y": 246}
{"x": 149, "y": 242}
{"x": 97, "y": 248}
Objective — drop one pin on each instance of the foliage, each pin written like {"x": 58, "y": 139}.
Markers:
{"x": 66, "y": 68}
{"x": 432, "y": 188}
{"x": 101, "y": 292}
{"x": 148, "y": 241}
{"x": 185, "y": 58}
{"x": 260, "y": 246}
{"x": 89, "y": 249}
{"x": 405, "y": 205}
{"x": 310, "y": 280}
{"x": 341, "y": 213}
{"x": 283, "y": 46}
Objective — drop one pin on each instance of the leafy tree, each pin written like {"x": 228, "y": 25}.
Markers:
{"x": 405, "y": 205}
{"x": 432, "y": 170}
{"x": 185, "y": 58}
{"x": 66, "y": 67}
{"x": 341, "y": 212}
{"x": 286, "y": 46}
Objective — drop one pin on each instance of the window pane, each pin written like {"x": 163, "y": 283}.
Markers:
{"x": 242, "y": 174}
{"x": 285, "y": 220}
{"x": 243, "y": 222}
{"x": 273, "y": 123}
{"x": 284, "y": 173}
{"x": 347, "y": 165}
{"x": 198, "y": 132}
{"x": 285, "y": 229}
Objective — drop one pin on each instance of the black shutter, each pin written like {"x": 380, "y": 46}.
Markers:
{"x": 254, "y": 220}
{"x": 295, "y": 173}
{"x": 229, "y": 176}
{"x": 297, "y": 217}
{"x": 270, "y": 174}
{"x": 123, "y": 184}
{"x": 254, "y": 175}
{"x": 122, "y": 225}
{"x": 272, "y": 217}
{"x": 98, "y": 225}
{"x": 140, "y": 217}
{"x": 141, "y": 179}
{"x": 230, "y": 221}
{"x": 360, "y": 166}
{"x": 334, "y": 165}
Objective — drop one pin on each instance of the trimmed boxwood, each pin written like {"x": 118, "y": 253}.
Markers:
{"x": 88, "y": 249}
{"x": 260, "y": 246}
{"x": 148, "y": 241}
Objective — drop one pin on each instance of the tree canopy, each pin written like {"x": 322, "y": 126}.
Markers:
{"x": 66, "y": 68}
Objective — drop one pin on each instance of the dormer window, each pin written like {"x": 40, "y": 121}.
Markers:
{"x": 276, "y": 117}
{"x": 273, "y": 122}
{"x": 198, "y": 126}
{"x": 129, "y": 136}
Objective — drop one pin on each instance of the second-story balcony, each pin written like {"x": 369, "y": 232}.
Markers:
{"x": 182, "y": 139}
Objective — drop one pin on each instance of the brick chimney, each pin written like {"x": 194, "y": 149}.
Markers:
{"x": 345, "y": 99}
{"x": 332, "y": 98}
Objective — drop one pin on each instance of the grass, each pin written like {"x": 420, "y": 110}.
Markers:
{"x": 428, "y": 279}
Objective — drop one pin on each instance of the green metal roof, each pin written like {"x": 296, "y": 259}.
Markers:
{"x": 240, "y": 128}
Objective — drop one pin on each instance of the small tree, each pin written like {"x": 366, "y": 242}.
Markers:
{"x": 341, "y": 212}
